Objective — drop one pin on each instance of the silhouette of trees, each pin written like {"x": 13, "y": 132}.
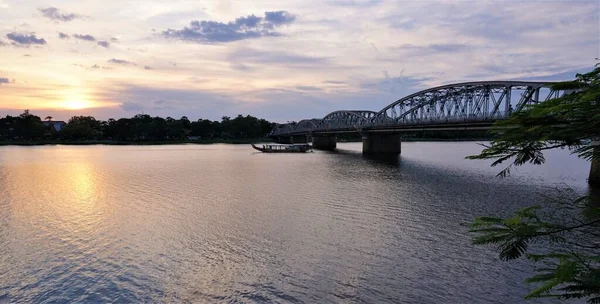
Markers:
{"x": 23, "y": 127}
{"x": 141, "y": 127}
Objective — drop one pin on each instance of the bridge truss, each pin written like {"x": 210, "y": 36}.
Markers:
{"x": 485, "y": 101}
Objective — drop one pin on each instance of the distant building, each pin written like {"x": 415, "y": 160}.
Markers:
{"x": 57, "y": 125}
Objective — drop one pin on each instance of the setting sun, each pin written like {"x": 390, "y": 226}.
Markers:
{"x": 76, "y": 104}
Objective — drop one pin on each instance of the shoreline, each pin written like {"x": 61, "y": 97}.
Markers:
{"x": 196, "y": 142}
{"x": 129, "y": 143}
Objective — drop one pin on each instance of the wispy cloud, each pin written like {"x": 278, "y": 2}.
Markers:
{"x": 103, "y": 44}
{"x": 307, "y": 88}
{"x": 245, "y": 56}
{"x": 84, "y": 37}
{"x": 247, "y": 27}
{"x": 25, "y": 40}
{"x": 54, "y": 14}
{"x": 121, "y": 61}
{"x": 63, "y": 35}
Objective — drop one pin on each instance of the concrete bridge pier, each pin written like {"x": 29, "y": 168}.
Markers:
{"x": 328, "y": 143}
{"x": 594, "y": 178}
{"x": 374, "y": 143}
{"x": 285, "y": 139}
{"x": 299, "y": 139}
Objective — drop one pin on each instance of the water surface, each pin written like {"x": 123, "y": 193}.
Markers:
{"x": 211, "y": 223}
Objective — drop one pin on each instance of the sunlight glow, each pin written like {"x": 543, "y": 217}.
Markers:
{"x": 76, "y": 104}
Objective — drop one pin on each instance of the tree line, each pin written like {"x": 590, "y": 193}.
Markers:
{"x": 141, "y": 127}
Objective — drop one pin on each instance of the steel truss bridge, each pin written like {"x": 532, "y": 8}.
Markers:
{"x": 460, "y": 106}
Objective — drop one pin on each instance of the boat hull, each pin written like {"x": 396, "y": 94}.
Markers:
{"x": 285, "y": 149}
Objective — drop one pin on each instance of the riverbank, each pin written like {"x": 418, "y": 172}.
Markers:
{"x": 130, "y": 142}
{"x": 428, "y": 140}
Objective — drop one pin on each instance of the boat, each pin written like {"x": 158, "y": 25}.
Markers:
{"x": 283, "y": 148}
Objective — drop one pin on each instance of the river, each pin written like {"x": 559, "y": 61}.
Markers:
{"x": 221, "y": 223}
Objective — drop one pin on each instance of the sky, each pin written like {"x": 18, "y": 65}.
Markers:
{"x": 278, "y": 60}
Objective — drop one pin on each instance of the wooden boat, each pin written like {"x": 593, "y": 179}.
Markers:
{"x": 283, "y": 148}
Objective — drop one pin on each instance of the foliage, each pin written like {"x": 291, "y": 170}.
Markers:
{"x": 562, "y": 234}
{"x": 140, "y": 127}
{"x": 565, "y": 122}
{"x": 25, "y": 126}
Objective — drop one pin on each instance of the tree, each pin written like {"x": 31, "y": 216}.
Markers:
{"x": 564, "y": 231}
{"x": 82, "y": 128}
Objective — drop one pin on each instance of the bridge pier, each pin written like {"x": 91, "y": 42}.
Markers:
{"x": 324, "y": 142}
{"x": 374, "y": 143}
{"x": 594, "y": 178}
{"x": 285, "y": 139}
{"x": 299, "y": 139}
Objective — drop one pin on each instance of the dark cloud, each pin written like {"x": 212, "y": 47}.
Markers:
{"x": 334, "y": 82}
{"x": 84, "y": 37}
{"x": 113, "y": 39}
{"x": 147, "y": 67}
{"x": 121, "y": 61}
{"x": 103, "y": 44}
{"x": 307, "y": 88}
{"x": 54, "y": 13}
{"x": 279, "y": 17}
{"x": 26, "y": 55}
{"x": 63, "y": 35}
{"x": 131, "y": 106}
{"x": 4, "y": 80}
{"x": 25, "y": 40}
{"x": 247, "y": 27}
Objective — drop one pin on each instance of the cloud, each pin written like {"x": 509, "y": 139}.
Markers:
{"x": 93, "y": 67}
{"x": 25, "y": 40}
{"x": 240, "y": 57}
{"x": 147, "y": 67}
{"x": 307, "y": 88}
{"x": 63, "y": 35}
{"x": 54, "y": 13}
{"x": 4, "y": 80}
{"x": 434, "y": 48}
{"x": 247, "y": 27}
{"x": 279, "y": 17}
{"x": 397, "y": 85}
{"x": 334, "y": 82}
{"x": 2, "y": 43}
{"x": 103, "y": 44}
{"x": 131, "y": 106}
{"x": 113, "y": 39}
{"x": 355, "y": 3}
{"x": 121, "y": 61}
{"x": 84, "y": 37}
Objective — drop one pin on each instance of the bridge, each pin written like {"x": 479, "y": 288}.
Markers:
{"x": 453, "y": 107}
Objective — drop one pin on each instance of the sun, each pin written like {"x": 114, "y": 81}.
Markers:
{"x": 76, "y": 104}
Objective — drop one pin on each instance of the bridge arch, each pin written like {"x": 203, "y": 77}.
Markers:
{"x": 345, "y": 119}
{"x": 283, "y": 129}
{"x": 484, "y": 100}
{"x": 306, "y": 125}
